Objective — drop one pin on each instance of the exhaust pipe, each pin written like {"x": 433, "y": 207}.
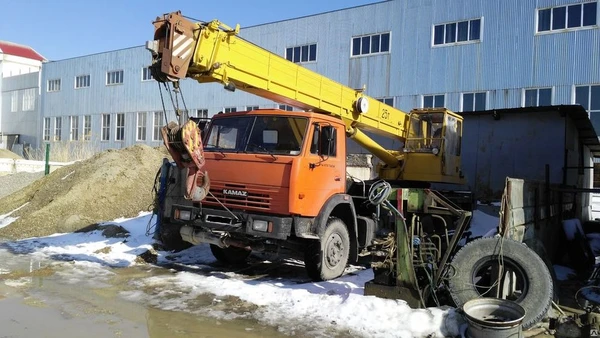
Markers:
{"x": 191, "y": 235}
{"x": 196, "y": 237}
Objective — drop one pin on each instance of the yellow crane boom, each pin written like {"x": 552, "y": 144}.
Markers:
{"x": 214, "y": 52}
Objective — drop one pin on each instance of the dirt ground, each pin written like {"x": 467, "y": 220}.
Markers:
{"x": 109, "y": 185}
{"x": 9, "y": 154}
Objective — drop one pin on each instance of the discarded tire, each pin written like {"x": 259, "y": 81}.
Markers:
{"x": 524, "y": 279}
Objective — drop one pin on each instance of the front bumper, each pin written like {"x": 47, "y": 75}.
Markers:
{"x": 277, "y": 227}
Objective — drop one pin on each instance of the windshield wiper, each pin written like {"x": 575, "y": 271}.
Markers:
{"x": 215, "y": 148}
{"x": 263, "y": 148}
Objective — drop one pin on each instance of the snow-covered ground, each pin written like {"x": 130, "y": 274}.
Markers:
{"x": 285, "y": 303}
{"x": 290, "y": 304}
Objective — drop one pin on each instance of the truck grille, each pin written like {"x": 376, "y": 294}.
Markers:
{"x": 257, "y": 198}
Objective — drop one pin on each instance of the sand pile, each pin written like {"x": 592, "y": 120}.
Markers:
{"x": 9, "y": 154}
{"x": 111, "y": 184}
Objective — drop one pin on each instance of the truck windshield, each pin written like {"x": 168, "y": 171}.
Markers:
{"x": 268, "y": 134}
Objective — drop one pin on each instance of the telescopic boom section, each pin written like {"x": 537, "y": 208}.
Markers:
{"x": 213, "y": 52}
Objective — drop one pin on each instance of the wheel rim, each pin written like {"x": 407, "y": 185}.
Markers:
{"x": 334, "y": 250}
{"x": 506, "y": 280}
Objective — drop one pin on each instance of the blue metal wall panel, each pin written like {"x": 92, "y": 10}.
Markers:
{"x": 509, "y": 57}
{"x": 495, "y": 149}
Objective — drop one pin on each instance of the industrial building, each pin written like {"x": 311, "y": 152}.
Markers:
{"x": 19, "y": 94}
{"x": 466, "y": 55}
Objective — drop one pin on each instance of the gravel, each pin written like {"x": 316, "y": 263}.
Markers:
{"x": 112, "y": 184}
{"x": 13, "y": 182}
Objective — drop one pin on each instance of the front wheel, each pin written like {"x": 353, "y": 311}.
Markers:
{"x": 230, "y": 255}
{"x": 171, "y": 238}
{"x": 327, "y": 258}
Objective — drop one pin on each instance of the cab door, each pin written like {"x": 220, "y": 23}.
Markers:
{"x": 321, "y": 172}
{"x": 452, "y": 145}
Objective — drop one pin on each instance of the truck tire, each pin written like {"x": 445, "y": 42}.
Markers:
{"x": 230, "y": 255}
{"x": 327, "y": 258}
{"x": 171, "y": 238}
{"x": 533, "y": 286}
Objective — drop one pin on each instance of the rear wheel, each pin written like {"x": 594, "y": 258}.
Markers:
{"x": 327, "y": 258}
{"x": 230, "y": 255}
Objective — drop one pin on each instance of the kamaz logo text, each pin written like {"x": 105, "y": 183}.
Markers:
{"x": 231, "y": 192}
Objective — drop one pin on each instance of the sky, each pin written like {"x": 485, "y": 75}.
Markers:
{"x": 62, "y": 29}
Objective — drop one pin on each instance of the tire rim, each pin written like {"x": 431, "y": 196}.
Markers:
{"x": 334, "y": 250}
{"x": 505, "y": 281}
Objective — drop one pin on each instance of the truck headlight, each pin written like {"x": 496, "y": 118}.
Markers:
{"x": 183, "y": 215}
{"x": 259, "y": 225}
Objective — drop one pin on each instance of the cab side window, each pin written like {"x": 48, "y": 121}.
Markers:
{"x": 329, "y": 141}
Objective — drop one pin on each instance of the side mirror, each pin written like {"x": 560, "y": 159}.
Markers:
{"x": 327, "y": 144}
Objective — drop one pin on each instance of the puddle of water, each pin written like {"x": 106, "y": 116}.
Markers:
{"x": 45, "y": 298}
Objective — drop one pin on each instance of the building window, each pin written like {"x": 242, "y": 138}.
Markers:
{"x": 141, "y": 126}
{"x": 589, "y": 98}
{"x": 157, "y": 124}
{"x": 14, "y": 102}
{"x": 29, "y": 99}
{"x": 250, "y": 108}
{"x": 371, "y": 44}
{"x": 87, "y": 127}
{"x": 203, "y": 113}
{"x": 474, "y": 101}
{"x": 74, "y": 135}
{"x": 387, "y": 100}
{"x": 146, "y": 74}
{"x": 105, "y": 134}
{"x": 286, "y": 107}
{"x": 57, "y": 128}
{"x": 82, "y": 81}
{"x": 46, "y": 133}
{"x": 565, "y": 17}
{"x": 434, "y": 101}
{"x": 114, "y": 77}
{"x": 230, "y": 109}
{"x": 53, "y": 85}
{"x": 305, "y": 53}
{"x": 457, "y": 32}
{"x": 537, "y": 97}
{"x": 120, "y": 127}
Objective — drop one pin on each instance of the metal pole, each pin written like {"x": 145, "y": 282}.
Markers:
{"x": 47, "y": 166}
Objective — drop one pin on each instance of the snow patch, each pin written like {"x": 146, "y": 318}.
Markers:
{"x": 563, "y": 272}
{"x": 289, "y": 303}
{"x": 483, "y": 224}
{"x": 572, "y": 227}
{"x": 594, "y": 240}
{"x": 5, "y": 220}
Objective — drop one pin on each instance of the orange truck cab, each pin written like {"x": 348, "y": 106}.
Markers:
{"x": 277, "y": 179}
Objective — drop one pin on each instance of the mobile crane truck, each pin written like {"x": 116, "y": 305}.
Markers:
{"x": 268, "y": 179}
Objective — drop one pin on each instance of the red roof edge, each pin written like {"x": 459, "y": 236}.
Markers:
{"x": 11, "y": 48}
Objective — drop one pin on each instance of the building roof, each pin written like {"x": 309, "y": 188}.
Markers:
{"x": 11, "y": 48}
{"x": 587, "y": 132}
